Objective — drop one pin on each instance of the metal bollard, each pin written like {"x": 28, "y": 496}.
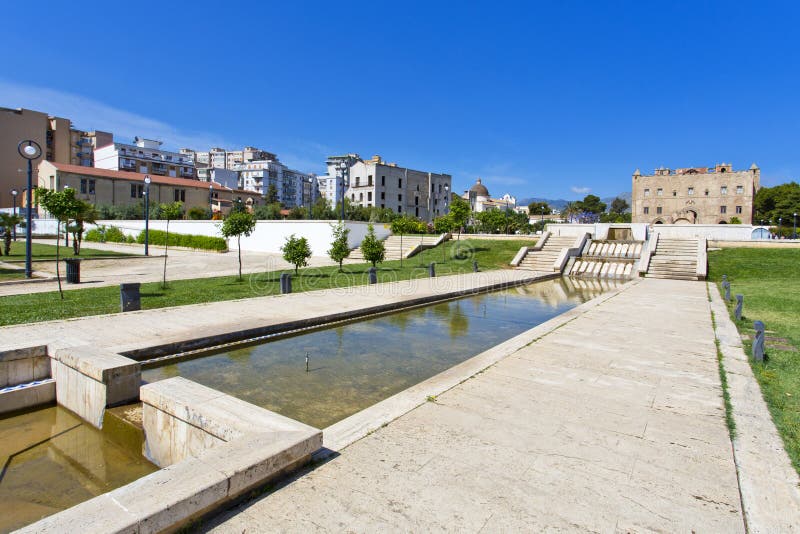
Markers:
{"x": 727, "y": 287}
{"x": 129, "y": 297}
{"x": 738, "y": 311}
{"x": 432, "y": 270}
{"x": 373, "y": 275}
{"x": 286, "y": 283}
{"x": 474, "y": 266}
{"x": 724, "y": 277}
{"x": 758, "y": 341}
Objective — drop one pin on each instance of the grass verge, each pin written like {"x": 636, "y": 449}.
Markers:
{"x": 43, "y": 252}
{"x": 768, "y": 279}
{"x": 459, "y": 256}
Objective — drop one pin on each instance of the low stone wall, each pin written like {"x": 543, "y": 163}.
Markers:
{"x": 23, "y": 365}
{"x": 88, "y": 380}
{"x": 756, "y": 243}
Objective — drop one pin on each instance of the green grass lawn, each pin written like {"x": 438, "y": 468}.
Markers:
{"x": 42, "y": 252}
{"x": 769, "y": 279}
{"x": 36, "y": 307}
{"x": 11, "y": 274}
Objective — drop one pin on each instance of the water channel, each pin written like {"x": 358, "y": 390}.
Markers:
{"x": 356, "y": 365}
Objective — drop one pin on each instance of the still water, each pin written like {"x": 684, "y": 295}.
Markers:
{"x": 356, "y": 365}
{"x": 51, "y": 460}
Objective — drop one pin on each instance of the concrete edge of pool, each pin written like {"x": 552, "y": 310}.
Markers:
{"x": 185, "y": 495}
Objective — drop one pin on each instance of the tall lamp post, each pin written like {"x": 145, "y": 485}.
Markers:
{"x": 794, "y": 233}
{"x": 780, "y": 227}
{"x": 446, "y": 198}
{"x": 147, "y": 215}
{"x": 30, "y": 150}
{"x": 343, "y": 171}
{"x": 66, "y": 224}
{"x": 14, "y": 194}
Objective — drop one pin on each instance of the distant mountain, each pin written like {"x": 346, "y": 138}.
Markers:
{"x": 560, "y": 202}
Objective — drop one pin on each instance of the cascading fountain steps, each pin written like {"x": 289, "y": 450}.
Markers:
{"x": 608, "y": 259}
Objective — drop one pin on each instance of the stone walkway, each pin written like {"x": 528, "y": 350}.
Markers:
{"x": 612, "y": 422}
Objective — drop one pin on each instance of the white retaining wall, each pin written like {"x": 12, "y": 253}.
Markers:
{"x": 268, "y": 236}
{"x": 711, "y": 232}
{"x": 598, "y": 230}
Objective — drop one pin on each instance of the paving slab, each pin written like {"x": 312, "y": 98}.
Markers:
{"x": 613, "y": 421}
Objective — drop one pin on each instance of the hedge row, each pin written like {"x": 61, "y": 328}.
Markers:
{"x": 107, "y": 234}
{"x": 157, "y": 237}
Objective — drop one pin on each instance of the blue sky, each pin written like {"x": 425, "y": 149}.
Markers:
{"x": 550, "y": 99}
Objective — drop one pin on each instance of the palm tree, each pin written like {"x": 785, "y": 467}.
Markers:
{"x": 84, "y": 213}
{"x": 571, "y": 209}
{"x": 8, "y": 222}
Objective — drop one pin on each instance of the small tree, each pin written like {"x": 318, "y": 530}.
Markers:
{"x": 296, "y": 251}
{"x": 619, "y": 206}
{"x": 339, "y": 248}
{"x": 238, "y": 224}
{"x": 8, "y": 222}
{"x": 459, "y": 213}
{"x": 82, "y": 214}
{"x": 61, "y": 205}
{"x": 271, "y": 197}
{"x": 402, "y": 225}
{"x": 169, "y": 212}
{"x": 372, "y": 248}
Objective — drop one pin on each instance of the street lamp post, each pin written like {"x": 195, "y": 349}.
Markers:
{"x": 14, "y": 194}
{"x": 66, "y": 224}
{"x": 343, "y": 181}
{"x": 794, "y": 233}
{"x": 780, "y": 227}
{"x": 446, "y": 198}
{"x": 30, "y": 150}
{"x": 147, "y": 215}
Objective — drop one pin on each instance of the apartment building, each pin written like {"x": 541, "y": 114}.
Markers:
{"x": 294, "y": 188}
{"x": 120, "y": 188}
{"x": 60, "y": 142}
{"x": 221, "y": 158}
{"x": 378, "y": 183}
{"x": 695, "y": 195}
{"x": 146, "y": 157}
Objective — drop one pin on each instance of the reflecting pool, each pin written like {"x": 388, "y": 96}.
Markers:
{"x": 355, "y": 365}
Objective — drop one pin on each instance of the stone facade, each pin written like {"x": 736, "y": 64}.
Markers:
{"x": 696, "y": 195}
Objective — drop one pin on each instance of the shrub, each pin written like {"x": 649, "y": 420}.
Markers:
{"x": 296, "y": 251}
{"x": 158, "y": 237}
{"x": 115, "y": 235}
{"x": 94, "y": 235}
{"x": 104, "y": 234}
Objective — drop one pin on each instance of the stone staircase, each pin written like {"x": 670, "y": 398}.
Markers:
{"x": 392, "y": 244}
{"x": 675, "y": 259}
{"x": 542, "y": 260}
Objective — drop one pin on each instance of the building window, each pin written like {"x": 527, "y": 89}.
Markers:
{"x": 723, "y": 209}
{"x": 739, "y": 190}
{"x": 383, "y": 206}
{"x": 647, "y": 192}
{"x": 416, "y": 212}
{"x": 361, "y": 197}
{"x": 399, "y": 209}
{"x": 691, "y": 191}
{"x": 399, "y": 182}
{"x": 383, "y": 195}
{"x": 137, "y": 191}
{"x": 179, "y": 195}
{"x": 723, "y": 190}
{"x": 369, "y": 180}
{"x": 646, "y": 210}
{"x": 738, "y": 209}
{"x": 369, "y": 196}
{"x": 383, "y": 180}
{"x": 84, "y": 185}
{"x": 358, "y": 181}
{"x": 91, "y": 187}
{"x": 674, "y": 193}
{"x": 706, "y": 192}
{"x": 399, "y": 198}
{"x": 658, "y": 210}
{"x": 659, "y": 192}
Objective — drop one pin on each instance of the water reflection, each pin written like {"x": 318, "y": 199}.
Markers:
{"x": 52, "y": 460}
{"x": 356, "y": 365}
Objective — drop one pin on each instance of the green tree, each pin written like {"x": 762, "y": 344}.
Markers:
{"x": 340, "y": 249}
{"x": 443, "y": 224}
{"x": 198, "y": 214}
{"x": 492, "y": 221}
{"x": 539, "y": 208}
{"x": 296, "y": 251}
{"x": 297, "y": 213}
{"x": 270, "y": 212}
{"x": 321, "y": 210}
{"x": 592, "y": 204}
{"x": 779, "y": 202}
{"x": 271, "y": 197}
{"x": 169, "y": 212}
{"x": 238, "y": 224}
{"x": 372, "y": 248}
{"x": 459, "y": 213}
{"x": 736, "y": 220}
{"x": 619, "y": 206}
{"x": 61, "y": 205}
{"x": 82, "y": 214}
{"x": 8, "y": 222}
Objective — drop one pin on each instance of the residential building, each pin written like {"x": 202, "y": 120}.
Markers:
{"x": 120, "y": 188}
{"x": 221, "y": 158}
{"x": 221, "y": 176}
{"x": 480, "y": 200}
{"x": 378, "y": 183}
{"x": 294, "y": 188}
{"x": 695, "y": 195}
{"x": 144, "y": 156}
{"x": 60, "y": 142}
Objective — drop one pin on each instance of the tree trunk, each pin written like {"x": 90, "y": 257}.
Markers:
{"x": 239, "y": 246}
{"x": 166, "y": 249}
{"x": 58, "y": 260}
{"x": 8, "y": 243}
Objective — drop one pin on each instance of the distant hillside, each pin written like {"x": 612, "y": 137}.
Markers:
{"x": 560, "y": 202}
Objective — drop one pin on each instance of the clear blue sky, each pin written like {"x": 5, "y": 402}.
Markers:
{"x": 550, "y": 100}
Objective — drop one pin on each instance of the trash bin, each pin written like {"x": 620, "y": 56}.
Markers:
{"x": 73, "y": 271}
{"x": 130, "y": 298}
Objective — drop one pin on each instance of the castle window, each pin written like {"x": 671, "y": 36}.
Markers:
{"x": 646, "y": 210}
{"x": 723, "y": 209}
{"x": 691, "y": 191}
{"x": 674, "y": 193}
{"x": 658, "y": 210}
{"x": 660, "y": 192}
{"x": 647, "y": 192}
{"x": 723, "y": 190}
{"x": 739, "y": 190}
{"x": 706, "y": 192}
{"x": 738, "y": 209}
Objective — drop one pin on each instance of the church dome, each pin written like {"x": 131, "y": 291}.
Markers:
{"x": 479, "y": 189}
